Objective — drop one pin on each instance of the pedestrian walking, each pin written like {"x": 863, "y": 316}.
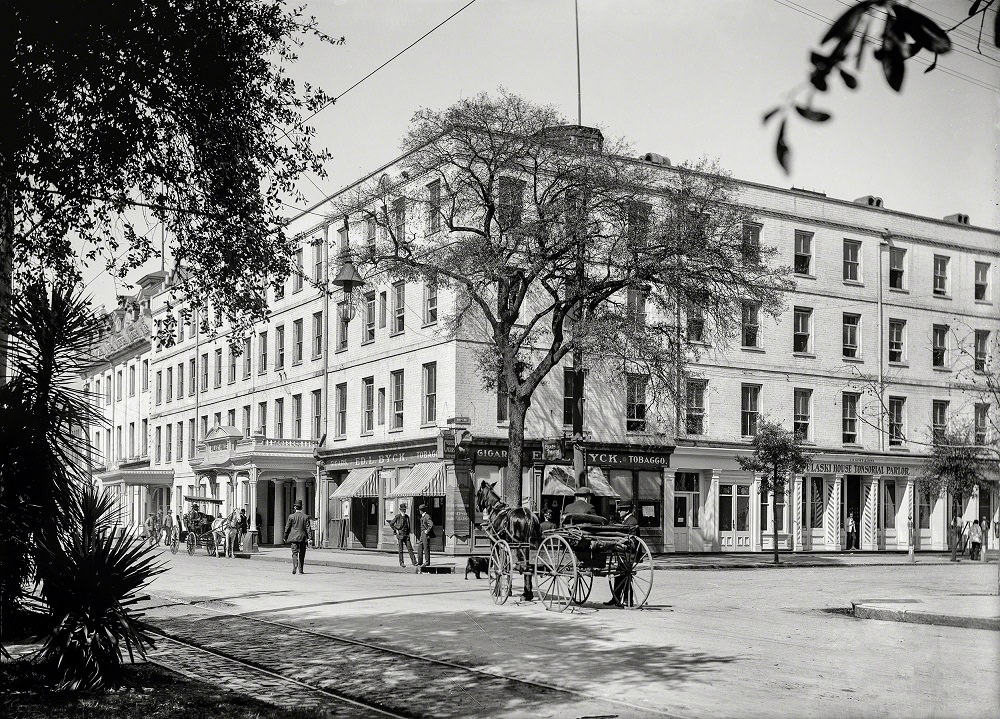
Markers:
{"x": 244, "y": 525}
{"x": 426, "y": 535}
{"x": 158, "y": 525}
{"x": 168, "y": 527}
{"x": 852, "y": 531}
{"x": 260, "y": 528}
{"x": 984, "y": 525}
{"x": 976, "y": 537}
{"x": 149, "y": 528}
{"x": 400, "y": 525}
{"x": 956, "y": 538}
{"x": 297, "y": 534}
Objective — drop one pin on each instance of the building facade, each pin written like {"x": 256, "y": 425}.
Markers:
{"x": 356, "y": 406}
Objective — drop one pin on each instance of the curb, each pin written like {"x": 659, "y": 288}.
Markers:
{"x": 868, "y": 611}
{"x": 365, "y": 566}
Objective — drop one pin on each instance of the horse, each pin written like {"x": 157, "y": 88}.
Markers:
{"x": 231, "y": 526}
{"x": 516, "y": 526}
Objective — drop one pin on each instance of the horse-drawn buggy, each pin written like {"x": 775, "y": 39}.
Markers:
{"x": 211, "y": 531}
{"x": 563, "y": 560}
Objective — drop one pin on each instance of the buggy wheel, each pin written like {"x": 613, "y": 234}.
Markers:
{"x": 192, "y": 543}
{"x": 556, "y": 570}
{"x": 631, "y": 573}
{"x": 209, "y": 545}
{"x": 581, "y": 590}
{"x": 501, "y": 571}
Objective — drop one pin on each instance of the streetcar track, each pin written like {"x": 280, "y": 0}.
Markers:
{"x": 280, "y": 677}
{"x": 367, "y": 644}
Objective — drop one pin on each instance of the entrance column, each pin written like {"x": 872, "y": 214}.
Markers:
{"x": 668, "y": 509}
{"x": 322, "y": 507}
{"x": 869, "y": 514}
{"x": 904, "y": 539}
{"x": 711, "y": 508}
{"x": 832, "y": 518}
{"x": 253, "y": 535}
{"x": 756, "y": 521}
{"x": 797, "y": 513}
{"x": 279, "y": 510}
{"x": 300, "y": 494}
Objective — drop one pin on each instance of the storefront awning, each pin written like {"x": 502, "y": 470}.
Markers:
{"x": 555, "y": 482}
{"x": 598, "y": 484}
{"x": 139, "y": 477}
{"x": 424, "y": 480}
{"x": 361, "y": 482}
{"x": 195, "y": 499}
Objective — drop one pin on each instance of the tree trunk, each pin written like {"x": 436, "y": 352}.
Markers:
{"x": 6, "y": 262}
{"x": 515, "y": 451}
{"x": 774, "y": 513}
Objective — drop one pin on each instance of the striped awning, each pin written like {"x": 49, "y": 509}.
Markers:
{"x": 424, "y": 480}
{"x": 556, "y": 482}
{"x": 361, "y": 482}
{"x": 598, "y": 484}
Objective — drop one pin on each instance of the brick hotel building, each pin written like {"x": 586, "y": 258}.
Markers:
{"x": 892, "y": 321}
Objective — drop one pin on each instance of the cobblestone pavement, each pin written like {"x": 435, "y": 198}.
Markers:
{"x": 237, "y": 676}
{"x": 404, "y": 684}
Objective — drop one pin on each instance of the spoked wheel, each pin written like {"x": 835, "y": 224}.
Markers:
{"x": 501, "y": 571}
{"x": 631, "y": 574}
{"x": 192, "y": 543}
{"x": 556, "y": 570}
{"x": 581, "y": 592}
{"x": 210, "y": 545}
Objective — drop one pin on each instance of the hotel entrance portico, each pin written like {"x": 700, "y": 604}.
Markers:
{"x": 138, "y": 493}
{"x": 264, "y": 475}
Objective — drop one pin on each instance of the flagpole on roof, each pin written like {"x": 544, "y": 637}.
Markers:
{"x": 579, "y": 100}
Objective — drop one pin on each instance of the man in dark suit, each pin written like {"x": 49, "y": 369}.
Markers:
{"x": 400, "y": 525}
{"x": 297, "y": 534}
{"x": 626, "y": 514}
{"x": 580, "y": 510}
{"x": 426, "y": 534}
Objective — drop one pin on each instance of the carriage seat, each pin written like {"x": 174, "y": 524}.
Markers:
{"x": 581, "y": 518}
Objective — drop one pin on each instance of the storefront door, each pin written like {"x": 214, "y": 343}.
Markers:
{"x": 851, "y": 505}
{"x": 734, "y": 517}
{"x": 682, "y": 521}
{"x": 435, "y": 507}
{"x": 371, "y": 526}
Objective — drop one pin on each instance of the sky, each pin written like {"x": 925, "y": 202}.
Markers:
{"x": 683, "y": 78}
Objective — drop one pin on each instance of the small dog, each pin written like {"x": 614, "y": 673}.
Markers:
{"x": 476, "y": 565}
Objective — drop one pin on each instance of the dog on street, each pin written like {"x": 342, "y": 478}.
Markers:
{"x": 476, "y": 565}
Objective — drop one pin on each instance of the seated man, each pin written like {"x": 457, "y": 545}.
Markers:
{"x": 580, "y": 510}
{"x": 547, "y": 522}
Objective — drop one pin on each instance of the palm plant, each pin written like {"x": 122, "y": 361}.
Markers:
{"x": 89, "y": 584}
{"x": 48, "y": 338}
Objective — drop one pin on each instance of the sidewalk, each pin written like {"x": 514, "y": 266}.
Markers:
{"x": 379, "y": 561}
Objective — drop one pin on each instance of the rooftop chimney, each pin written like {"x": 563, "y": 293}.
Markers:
{"x": 958, "y": 218}
{"x": 869, "y": 201}
{"x": 655, "y": 159}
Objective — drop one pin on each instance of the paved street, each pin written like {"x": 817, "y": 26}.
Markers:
{"x": 715, "y": 643}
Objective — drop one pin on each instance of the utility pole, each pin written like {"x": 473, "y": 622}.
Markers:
{"x": 579, "y": 450}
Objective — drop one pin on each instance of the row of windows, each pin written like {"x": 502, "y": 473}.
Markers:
{"x": 386, "y": 406}
{"x": 137, "y": 444}
{"x": 803, "y": 335}
{"x": 803, "y": 264}
{"x": 802, "y": 419}
{"x": 164, "y": 444}
{"x": 119, "y": 384}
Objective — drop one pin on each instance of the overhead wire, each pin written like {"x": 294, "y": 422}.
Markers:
{"x": 974, "y": 81}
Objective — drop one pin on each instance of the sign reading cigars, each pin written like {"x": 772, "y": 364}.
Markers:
{"x": 884, "y": 470}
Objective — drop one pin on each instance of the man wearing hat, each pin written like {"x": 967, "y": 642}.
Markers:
{"x": 580, "y": 510}
{"x": 426, "y": 534}
{"x": 297, "y": 534}
{"x": 626, "y": 514}
{"x": 400, "y": 525}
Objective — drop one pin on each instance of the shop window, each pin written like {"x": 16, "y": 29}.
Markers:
{"x": 816, "y": 491}
{"x": 725, "y": 508}
{"x": 889, "y": 505}
{"x": 649, "y": 501}
{"x": 924, "y": 508}
{"x": 779, "y": 510}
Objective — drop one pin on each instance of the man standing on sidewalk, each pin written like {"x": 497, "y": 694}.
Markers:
{"x": 297, "y": 534}
{"x": 426, "y": 534}
{"x": 400, "y": 524}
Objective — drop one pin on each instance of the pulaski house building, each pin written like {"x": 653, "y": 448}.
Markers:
{"x": 885, "y": 338}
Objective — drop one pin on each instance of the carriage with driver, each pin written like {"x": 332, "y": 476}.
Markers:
{"x": 565, "y": 560}
{"x": 206, "y": 530}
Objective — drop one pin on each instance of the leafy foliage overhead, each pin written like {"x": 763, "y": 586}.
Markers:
{"x": 183, "y": 109}
{"x": 892, "y": 31}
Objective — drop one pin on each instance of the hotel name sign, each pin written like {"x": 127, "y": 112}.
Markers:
{"x": 875, "y": 470}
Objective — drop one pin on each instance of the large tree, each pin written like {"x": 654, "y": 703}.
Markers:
{"x": 554, "y": 241}
{"x": 777, "y": 455}
{"x": 180, "y": 111}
